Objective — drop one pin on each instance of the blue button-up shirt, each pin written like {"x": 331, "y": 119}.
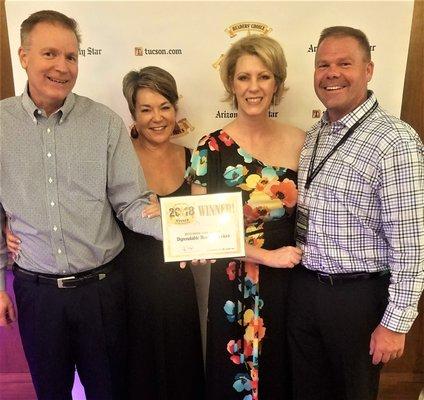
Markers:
{"x": 60, "y": 178}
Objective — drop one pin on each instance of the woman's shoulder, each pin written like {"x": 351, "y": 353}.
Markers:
{"x": 293, "y": 131}
{"x": 292, "y": 134}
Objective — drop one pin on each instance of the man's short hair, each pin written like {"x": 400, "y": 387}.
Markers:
{"x": 347, "y": 31}
{"x": 51, "y": 17}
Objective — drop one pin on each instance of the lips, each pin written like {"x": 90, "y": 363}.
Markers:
{"x": 157, "y": 128}
{"x": 254, "y": 100}
{"x": 333, "y": 87}
{"x": 60, "y": 81}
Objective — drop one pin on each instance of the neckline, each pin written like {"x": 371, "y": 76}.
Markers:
{"x": 234, "y": 143}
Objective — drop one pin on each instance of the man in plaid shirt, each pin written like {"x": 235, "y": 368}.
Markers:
{"x": 361, "y": 228}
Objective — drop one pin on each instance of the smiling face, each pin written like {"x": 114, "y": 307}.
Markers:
{"x": 50, "y": 58}
{"x": 342, "y": 73}
{"x": 253, "y": 85}
{"x": 154, "y": 116}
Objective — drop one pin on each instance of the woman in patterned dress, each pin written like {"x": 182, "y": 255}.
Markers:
{"x": 246, "y": 344}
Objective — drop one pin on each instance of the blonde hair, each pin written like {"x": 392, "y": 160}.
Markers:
{"x": 268, "y": 50}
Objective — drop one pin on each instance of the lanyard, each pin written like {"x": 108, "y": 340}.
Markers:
{"x": 312, "y": 173}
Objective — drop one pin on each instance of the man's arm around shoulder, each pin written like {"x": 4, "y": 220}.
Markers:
{"x": 7, "y": 310}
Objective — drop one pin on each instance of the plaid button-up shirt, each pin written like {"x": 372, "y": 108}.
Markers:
{"x": 366, "y": 205}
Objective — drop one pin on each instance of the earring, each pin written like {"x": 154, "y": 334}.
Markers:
{"x": 133, "y": 132}
{"x": 234, "y": 102}
{"x": 273, "y": 103}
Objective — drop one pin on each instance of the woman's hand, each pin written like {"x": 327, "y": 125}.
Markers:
{"x": 153, "y": 209}
{"x": 283, "y": 257}
{"x": 203, "y": 261}
{"x": 13, "y": 242}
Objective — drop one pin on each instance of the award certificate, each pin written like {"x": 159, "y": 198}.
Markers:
{"x": 205, "y": 226}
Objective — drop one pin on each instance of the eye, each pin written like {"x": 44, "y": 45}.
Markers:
{"x": 265, "y": 77}
{"x": 346, "y": 64}
{"x": 72, "y": 58}
{"x": 322, "y": 65}
{"x": 48, "y": 54}
{"x": 144, "y": 110}
{"x": 242, "y": 78}
{"x": 166, "y": 107}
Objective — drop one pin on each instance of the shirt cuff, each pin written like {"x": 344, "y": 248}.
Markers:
{"x": 149, "y": 226}
{"x": 2, "y": 279}
{"x": 399, "y": 319}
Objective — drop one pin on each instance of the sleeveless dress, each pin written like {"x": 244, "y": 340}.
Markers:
{"x": 165, "y": 359}
{"x": 246, "y": 357}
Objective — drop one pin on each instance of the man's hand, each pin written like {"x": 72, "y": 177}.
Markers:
{"x": 386, "y": 345}
{"x": 7, "y": 310}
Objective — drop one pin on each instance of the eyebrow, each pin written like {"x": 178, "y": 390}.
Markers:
{"x": 149, "y": 105}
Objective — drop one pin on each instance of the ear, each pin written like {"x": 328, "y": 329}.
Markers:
{"x": 370, "y": 70}
{"x": 23, "y": 57}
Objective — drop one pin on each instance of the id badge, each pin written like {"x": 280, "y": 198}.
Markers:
{"x": 302, "y": 221}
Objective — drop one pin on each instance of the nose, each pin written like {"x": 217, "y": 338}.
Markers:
{"x": 333, "y": 71}
{"x": 253, "y": 84}
{"x": 61, "y": 64}
{"x": 157, "y": 115}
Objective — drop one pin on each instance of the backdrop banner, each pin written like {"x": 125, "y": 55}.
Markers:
{"x": 189, "y": 39}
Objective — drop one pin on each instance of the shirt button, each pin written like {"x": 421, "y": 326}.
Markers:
{"x": 64, "y": 271}
{"x": 50, "y": 180}
{"x": 48, "y": 130}
{"x": 52, "y": 203}
{"x": 49, "y": 154}
{"x": 59, "y": 251}
{"x": 39, "y": 112}
{"x": 55, "y": 228}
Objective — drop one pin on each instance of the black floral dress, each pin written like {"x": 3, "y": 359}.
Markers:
{"x": 165, "y": 359}
{"x": 246, "y": 355}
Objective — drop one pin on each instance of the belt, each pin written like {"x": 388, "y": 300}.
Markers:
{"x": 65, "y": 281}
{"x": 334, "y": 279}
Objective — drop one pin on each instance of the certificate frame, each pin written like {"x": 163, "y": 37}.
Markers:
{"x": 205, "y": 226}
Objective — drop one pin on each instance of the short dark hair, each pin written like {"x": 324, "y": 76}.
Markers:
{"x": 51, "y": 17}
{"x": 347, "y": 31}
{"x": 154, "y": 78}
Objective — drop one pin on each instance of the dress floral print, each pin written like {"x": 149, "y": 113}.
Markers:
{"x": 269, "y": 194}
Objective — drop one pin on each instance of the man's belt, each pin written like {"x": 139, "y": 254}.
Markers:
{"x": 334, "y": 279}
{"x": 65, "y": 281}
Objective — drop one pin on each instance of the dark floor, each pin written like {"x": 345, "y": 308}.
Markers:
{"x": 18, "y": 386}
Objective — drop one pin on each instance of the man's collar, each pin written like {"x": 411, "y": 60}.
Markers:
{"x": 33, "y": 110}
{"x": 350, "y": 119}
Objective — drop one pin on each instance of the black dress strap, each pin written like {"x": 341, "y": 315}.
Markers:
{"x": 187, "y": 157}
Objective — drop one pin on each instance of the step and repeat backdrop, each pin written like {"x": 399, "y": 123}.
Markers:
{"x": 189, "y": 39}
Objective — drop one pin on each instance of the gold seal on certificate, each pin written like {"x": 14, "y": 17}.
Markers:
{"x": 204, "y": 226}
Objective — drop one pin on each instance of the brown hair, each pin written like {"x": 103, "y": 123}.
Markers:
{"x": 154, "y": 78}
{"x": 347, "y": 31}
{"x": 49, "y": 16}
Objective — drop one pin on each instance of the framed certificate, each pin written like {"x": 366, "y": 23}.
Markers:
{"x": 202, "y": 226}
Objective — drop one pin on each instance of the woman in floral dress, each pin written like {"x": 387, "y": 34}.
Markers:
{"x": 246, "y": 344}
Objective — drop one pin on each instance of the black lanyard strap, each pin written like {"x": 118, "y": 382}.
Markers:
{"x": 312, "y": 173}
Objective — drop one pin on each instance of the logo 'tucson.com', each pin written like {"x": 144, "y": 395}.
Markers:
{"x": 144, "y": 51}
